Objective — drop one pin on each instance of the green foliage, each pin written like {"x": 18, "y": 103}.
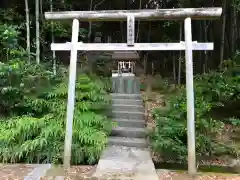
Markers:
{"x": 41, "y": 139}
{"x": 169, "y": 138}
{"x": 21, "y": 85}
{"x": 101, "y": 65}
{"x": 235, "y": 121}
{"x": 33, "y": 109}
{"x": 62, "y": 29}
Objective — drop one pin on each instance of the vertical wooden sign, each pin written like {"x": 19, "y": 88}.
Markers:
{"x": 130, "y": 30}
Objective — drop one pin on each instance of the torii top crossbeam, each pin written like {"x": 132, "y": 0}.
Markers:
{"x": 143, "y": 14}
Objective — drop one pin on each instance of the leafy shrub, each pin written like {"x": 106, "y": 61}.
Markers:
{"x": 33, "y": 108}
{"x": 101, "y": 65}
{"x": 169, "y": 138}
{"x": 21, "y": 85}
{"x": 31, "y": 139}
{"x": 234, "y": 121}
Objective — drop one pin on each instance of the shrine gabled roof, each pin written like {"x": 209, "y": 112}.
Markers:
{"x": 125, "y": 55}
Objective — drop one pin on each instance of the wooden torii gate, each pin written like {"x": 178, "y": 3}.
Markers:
{"x": 130, "y": 16}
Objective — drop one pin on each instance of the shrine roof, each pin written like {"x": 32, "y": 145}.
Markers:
{"x": 125, "y": 55}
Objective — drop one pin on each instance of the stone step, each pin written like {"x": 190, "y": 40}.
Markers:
{"x": 128, "y": 107}
{"x": 126, "y": 96}
{"x": 129, "y": 163}
{"x": 130, "y": 123}
{"x": 128, "y": 132}
{"x": 127, "y": 101}
{"x": 128, "y": 115}
{"x": 128, "y": 142}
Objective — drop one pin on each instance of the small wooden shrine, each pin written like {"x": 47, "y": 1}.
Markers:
{"x": 124, "y": 63}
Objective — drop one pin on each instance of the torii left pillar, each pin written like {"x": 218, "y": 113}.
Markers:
{"x": 71, "y": 94}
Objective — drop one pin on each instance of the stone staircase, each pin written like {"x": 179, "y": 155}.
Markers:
{"x": 128, "y": 113}
{"x": 127, "y": 155}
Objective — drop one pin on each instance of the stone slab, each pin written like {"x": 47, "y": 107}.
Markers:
{"x": 128, "y": 107}
{"x": 127, "y": 101}
{"x": 127, "y": 163}
{"x": 129, "y": 142}
{"x": 131, "y": 96}
{"x": 128, "y": 115}
{"x": 130, "y": 123}
{"x": 38, "y": 172}
{"x": 129, "y": 132}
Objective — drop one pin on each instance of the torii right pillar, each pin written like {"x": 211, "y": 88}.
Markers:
{"x": 190, "y": 97}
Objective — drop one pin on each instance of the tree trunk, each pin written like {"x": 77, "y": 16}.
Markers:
{"x": 145, "y": 58}
{"x": 138, "y": 25}
{"x": 54, "y": 53}
{"x": 153, "y": 68}
{"x": 205, "y": 64}
{"x": 180, "y": 56}
{"x": 224, "y": 2}
{"x": 174, "y": 69}
{"x": 37, "y": 32}
{"x": 201, "y": 61}
{"x": 145, "y": 64}
{"x": 234, "y": 24}
{"x": 121, "y": 31}
{"x": 41, "y": 10}
{"x": 28, "y": 30}
{"x": 90, "y": 23}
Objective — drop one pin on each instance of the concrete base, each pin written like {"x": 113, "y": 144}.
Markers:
{"x": 126, "y": 163}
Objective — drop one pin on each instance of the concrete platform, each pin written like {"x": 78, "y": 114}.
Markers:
{"x": 126, "y": 163}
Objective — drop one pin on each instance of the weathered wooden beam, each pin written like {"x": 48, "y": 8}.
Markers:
{"x": 125, "y": 47}
{"x": 144, "y": 14}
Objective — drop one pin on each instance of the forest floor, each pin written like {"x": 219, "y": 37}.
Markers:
{"x": 86, "y": 172}
{"x": 15, "y": 171}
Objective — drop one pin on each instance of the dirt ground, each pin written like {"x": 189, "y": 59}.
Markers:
{"x": 86, "y": 172}
{"x": 73, "y": 173}
{"x": 19, "y": 171}
{"x": 169, "y": 175}
{"x": 15, "y": 171}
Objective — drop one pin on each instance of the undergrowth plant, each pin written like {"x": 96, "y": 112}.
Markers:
{"x": 41, "y": 139}
{"x": 33, "y": 105}
{"x": 169, "y": 138}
